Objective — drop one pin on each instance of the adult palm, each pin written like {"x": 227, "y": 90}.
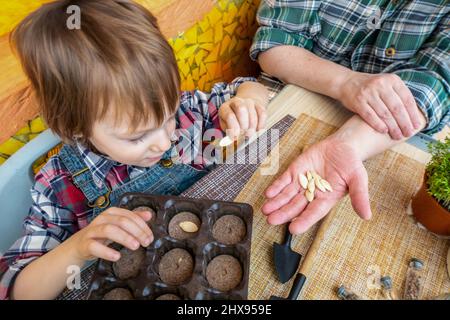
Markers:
{"x": 335, "y": 161}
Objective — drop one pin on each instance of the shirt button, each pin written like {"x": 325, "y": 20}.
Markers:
{"x": 100, "y": 201}
{"x": 166, "y": 163}
{"x": 390, "y": 52}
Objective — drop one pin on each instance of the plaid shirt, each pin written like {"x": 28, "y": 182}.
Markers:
{"x": 410, "y": 38}
{"x": 59, "y": 209}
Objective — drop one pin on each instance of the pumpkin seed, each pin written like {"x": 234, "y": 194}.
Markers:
{"x": 309, "y": 195}
{"x": 309, "y": 175}
{"x": 326, "y": 185}
{"x": 315, "y": 175}
{"x": 303, "y": 180}
{"x": 188, "y": 226}
{"x": 311, "y": 186}
{"x": 319, "y": 185}
{"x": 226, "y": 141}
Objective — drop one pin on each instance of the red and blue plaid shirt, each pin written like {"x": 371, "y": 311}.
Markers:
{"x": 59, "y": 209}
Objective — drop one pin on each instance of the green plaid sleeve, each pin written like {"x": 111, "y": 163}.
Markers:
{"x": 285, "y": 23}
{"x": 427, "y": 75}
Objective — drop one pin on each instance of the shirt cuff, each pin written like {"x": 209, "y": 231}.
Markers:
{"x": 431, "y": 97}
{"x": 8, "y": 277}
{"x": 269, "y": 37}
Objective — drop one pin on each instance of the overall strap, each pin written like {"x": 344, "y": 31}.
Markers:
{"x": 83, "y": 179}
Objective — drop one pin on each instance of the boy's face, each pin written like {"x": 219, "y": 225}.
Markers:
{"x": 144, "y": 147}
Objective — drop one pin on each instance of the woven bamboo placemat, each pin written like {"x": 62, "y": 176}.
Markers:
{"x": 343, "y": 249}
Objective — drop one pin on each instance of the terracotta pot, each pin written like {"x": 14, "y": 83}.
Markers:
{"x": 429, "y": 212}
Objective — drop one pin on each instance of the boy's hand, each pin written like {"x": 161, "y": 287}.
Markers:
{"x": 239, "y": 115}
{"x": 128, "y": 228}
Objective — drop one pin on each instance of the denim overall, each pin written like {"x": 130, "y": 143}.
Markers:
{"x": 165, "y": 177}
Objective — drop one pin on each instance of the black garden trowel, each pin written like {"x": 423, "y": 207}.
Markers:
{"x": 297, "y": 286}
{"x": 286, "y": 260}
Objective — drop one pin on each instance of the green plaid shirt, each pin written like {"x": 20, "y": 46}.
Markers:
{"x": 410, "y": 38}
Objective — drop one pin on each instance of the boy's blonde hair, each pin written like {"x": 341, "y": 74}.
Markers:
{"x": 117, "y": 59}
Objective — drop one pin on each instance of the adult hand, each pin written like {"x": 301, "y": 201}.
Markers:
{"x": 383, "y": 101}
{"x": 335, "y": 161}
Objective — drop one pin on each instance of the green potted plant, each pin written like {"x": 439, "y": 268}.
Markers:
{"x": 431, "y": 204}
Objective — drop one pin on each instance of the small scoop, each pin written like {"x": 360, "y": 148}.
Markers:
{"x": 286, "y": 260}
{"x": 297, "y": 286}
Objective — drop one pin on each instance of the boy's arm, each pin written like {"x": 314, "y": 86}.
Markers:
{"x": 46, "y": 277}
{"x": 37, "y": 267}
{"x": 46, "y": 227}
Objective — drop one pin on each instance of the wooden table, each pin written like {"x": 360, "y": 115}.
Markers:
{"x": 294, "y": 101}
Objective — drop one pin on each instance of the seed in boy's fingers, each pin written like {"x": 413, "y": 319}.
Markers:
{"x": 303, "y": 180}
{"x": 226, "y": 141}
{"x": 309, "y": 175}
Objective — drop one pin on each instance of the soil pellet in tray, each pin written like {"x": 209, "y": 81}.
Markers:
{"x": 176, "y": 266}
{"x": 118, "y": 294}
{"x": 176, "y": 228}
{"x": 229, "y": 229}
{"x": 159, "y": 274}
{"x": 129, "y": 263}
{"x": 168, "y": 296}
{"x": 224, "y": 272}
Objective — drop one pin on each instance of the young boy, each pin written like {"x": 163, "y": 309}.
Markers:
{"x": 110, "y": 90}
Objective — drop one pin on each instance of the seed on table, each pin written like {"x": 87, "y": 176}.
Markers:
{"x": 309, "y": 195}
{"x": 326, "y": 185}
{"x": 303, "y": 180}
{"x": 309, "y": 175}
{"x": 311, "y": 186}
